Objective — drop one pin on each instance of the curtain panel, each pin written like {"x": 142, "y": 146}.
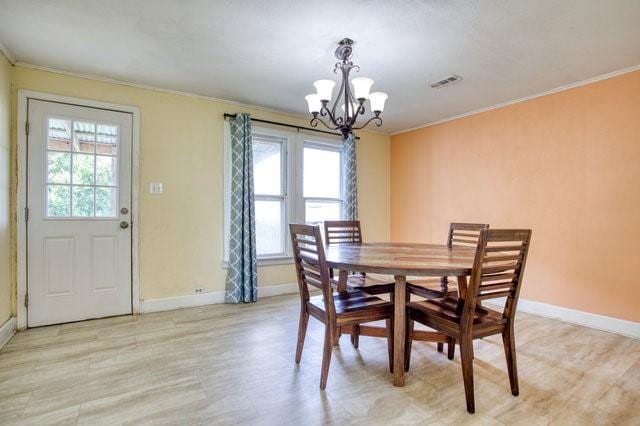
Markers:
{"x": 350, "y": 204}
{"x": 242, "y": 276}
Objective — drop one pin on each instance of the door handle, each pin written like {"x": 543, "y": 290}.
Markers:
{"x": 124, "y": 224}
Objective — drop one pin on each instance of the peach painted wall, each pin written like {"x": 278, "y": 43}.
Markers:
{"x": 566, "y": 165}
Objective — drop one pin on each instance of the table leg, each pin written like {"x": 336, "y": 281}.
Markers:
{"x": 399, "y": 325}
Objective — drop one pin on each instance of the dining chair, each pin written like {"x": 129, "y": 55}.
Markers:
{"x": 460, "y": 234}
{"x": 498, "y": 268}
{"x": 334, "y": 309}
{"x": 350, "y": 232}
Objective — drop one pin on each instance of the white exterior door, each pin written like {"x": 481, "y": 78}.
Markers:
{"x": 79, "y": 210}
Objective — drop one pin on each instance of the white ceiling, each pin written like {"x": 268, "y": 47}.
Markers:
{"x": 268, "y": 53}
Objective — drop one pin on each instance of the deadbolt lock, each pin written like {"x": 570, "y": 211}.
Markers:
{"x": 124, "y": 210}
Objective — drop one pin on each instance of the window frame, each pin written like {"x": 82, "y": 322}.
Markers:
{"x": 292, "y": 184}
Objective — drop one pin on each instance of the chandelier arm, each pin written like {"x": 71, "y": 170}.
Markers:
{"x": 337, "y": 100}
{"x": 336, "y": 121}
{"x": 359, "y": 111}
{"x": 315, "y": 120}
{"x": 378, "y": 123}
{"x": 347, "y": 98}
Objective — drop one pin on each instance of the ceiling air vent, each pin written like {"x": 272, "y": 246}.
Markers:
{"x": 447, "y": 81}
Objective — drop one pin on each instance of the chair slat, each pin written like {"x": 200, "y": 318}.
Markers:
{"x": 496, "y": 277}
{"x": 497, "y": 269}
{"x": 498, "y": 294}
{"x": 506, "y": 258}
{"x": 496, "y": 286}
{"x": 502, "y": 248}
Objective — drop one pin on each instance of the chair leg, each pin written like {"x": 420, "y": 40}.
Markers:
{"x": 390, "y": 343}
{"x": 440, "y": 346}
{"x": 302, "y": 332}
{"x": 336, "y": 336}
{"x": 326, "y": 356}
{"x": 451, "y": 347}
{"x": 466, "y": 355}
{"x": 510, "y": 353}
{"x": 355, "y": 336}
{"x": 408, "y": 343}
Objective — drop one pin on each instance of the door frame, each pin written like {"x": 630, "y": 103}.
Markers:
{"x": 21, "y": 195}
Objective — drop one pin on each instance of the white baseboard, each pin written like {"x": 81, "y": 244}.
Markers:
{"x": 189, "y": 301}
{"x": 277, "y": 290}
{"x": 587, "y": 319}
{"x": 7, "y": 331}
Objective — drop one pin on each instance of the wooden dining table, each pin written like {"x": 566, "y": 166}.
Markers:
{"x": 402, "y": 260}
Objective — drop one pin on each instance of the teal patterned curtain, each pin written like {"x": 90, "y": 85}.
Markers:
{"x": 350, "y": 205}
{"x": 242, "y": 277}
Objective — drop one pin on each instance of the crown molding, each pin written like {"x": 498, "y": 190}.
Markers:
{"x": 524, "y": 99}
{"x": 155, "y": 89}
{"x": 7, "y": 53}
{"x": 171, "y": 91}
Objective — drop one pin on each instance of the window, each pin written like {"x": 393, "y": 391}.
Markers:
{"x": 269, "y": 186}
{"x": 297, "y": 178}
{"x": 81, "y": 169}
{"x": 322, "y": 182}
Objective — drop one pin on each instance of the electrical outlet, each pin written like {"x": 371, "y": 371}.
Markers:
{"x": 199, "y": 290}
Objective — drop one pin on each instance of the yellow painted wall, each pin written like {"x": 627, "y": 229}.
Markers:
{"x": 181, "y": 145}
{"x": 566, "y": 165}
{"x": 5, "y": 178}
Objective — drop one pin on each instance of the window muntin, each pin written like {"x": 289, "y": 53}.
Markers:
{"x": 82, "y": 169}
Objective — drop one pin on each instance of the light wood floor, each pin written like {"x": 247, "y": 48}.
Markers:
{"x": 227, "y": 364}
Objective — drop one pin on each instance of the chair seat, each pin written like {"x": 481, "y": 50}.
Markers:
{"x": 352, "y": 304}
{"x": 441, "y": 309}
{"x": 430, "y": 288}
{"x": 367, "y": 284}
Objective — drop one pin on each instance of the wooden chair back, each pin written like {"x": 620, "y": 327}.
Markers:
{"x": 498, "y": 268}
{"x": 342, "y": 232}
{"x": 465, "y": 234}
{"x": 311, "y": 264}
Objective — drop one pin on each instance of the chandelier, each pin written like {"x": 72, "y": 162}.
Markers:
{"x": 351, "y": 103}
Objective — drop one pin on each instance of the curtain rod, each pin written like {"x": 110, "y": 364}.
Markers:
{"x": 227, "y": 115}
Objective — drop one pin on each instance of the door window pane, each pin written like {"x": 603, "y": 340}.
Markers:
{"x": 269, "y": 227}
{"x": 106, "y": 170}
{"x": 267, "y": 167}
{"x": 58, "y": 201}
{"x": 82, "y": 201}
{"x": 322, "y": 173}
{"x": 106, "y": 139}
{"x": 59, "y": 135}
{"x": 58, "y": 167}
{"x": 317, "y": 212}
{"x": 84, "y": 137}
{"x": 83, "y": 169}
{"x": 106, "y": 202}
